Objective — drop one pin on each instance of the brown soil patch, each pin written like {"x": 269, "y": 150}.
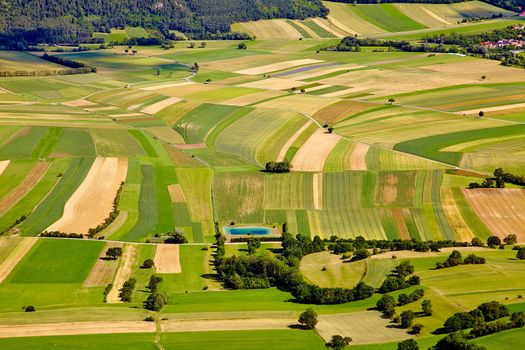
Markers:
{"x": 291, "y": 140}
{"x": 339, "y": 110}
{"x": 15, "y": 256}
{"x": 358, "y": 157}
{"x": 389, "y": 194}
{"x": 126, "y": 261}
{"x": 159, "y": 106}
{"x": 24, "y": 187}
{"x": 3, "y": 165}
{"x": 92, "y": 202}
{"x": 312, "y": 155}
{"x": 176, "y": 193}
{"x": 366, "y": 327}
{"x": 167, "y": 258}
{"x": 75, "y": 328}
{"x": 399, "y": 218}
{"x": 502, "y": 210}
{"x": 226, "y": 325}
{"x": 104, "y": 270}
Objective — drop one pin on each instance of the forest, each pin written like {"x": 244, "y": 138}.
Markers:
{"x": 74, "y": 21}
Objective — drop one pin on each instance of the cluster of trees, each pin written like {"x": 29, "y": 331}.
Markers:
{"x": 61, "y": 234}
{"x": 456, "y": 259}
{"x": 26, "y": 22}
{"x": 127, "y": 290}
{"x": 386, "y": 304}
{"x": 456, "y": 341}
{"x": 176, "y": 237}
{"x": 485, "y": 312}
{"x": 112, "y": 216}
{"x": 251, "y": 272}
{"x": 498, "y": 181}
{"x": 157, "y": 299}
{"x": 397, "y": 280}
{"x": 277, "y": 167}
{"x": 404, "y": 299}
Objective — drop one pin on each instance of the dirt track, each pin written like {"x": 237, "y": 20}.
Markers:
{"x": 75, "y": 328}
{"x": 128, "y": 258}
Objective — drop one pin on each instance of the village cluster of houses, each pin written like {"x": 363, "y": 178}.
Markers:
{"x": 503, "y": 43}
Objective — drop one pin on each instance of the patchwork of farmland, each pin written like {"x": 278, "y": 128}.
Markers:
{"x": 381, "y": 145}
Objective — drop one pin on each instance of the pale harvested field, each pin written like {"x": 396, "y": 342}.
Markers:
{"x": 159, "y": 106}
{"x": 176, "y": 193}
{"x": 341, "y": 26}
{"x": 104, "y": 270}
{"x": 165, "y": 86}
{"x": 339, "y": 93}
{"x": 277, "y": 66}
{"x": 15, "y": 256}
{"x": 167, "y": 258}
{"x": 320, "y": 72}
{"x": 358, "y": 157}
{"x": 326, "y": 26}
{"x": 366, "y": 327}
{"x": 472, "y": 70}
{"x": 253, "y": 98}
{"x": 165, "y": 134}
{"x": 453, "y": 215}
{"x": 272, "y": 84}
{"x": 502, "y": 210}
{"x": 318, "y": 190}
{"x": 92, "y": 202}
{"x": 493, "y": 109}
{"x": 76, "y": 328}
{"x": 226, "y": 325}
{"x": 307, "y": 104}
{"x": 101, "y": 109}
{"x": 312, "y": 155}
{"x": 291, "y": 140}
{"x": 126, "y": 261}
{"x": 3, "y": 165}
{"x": 269, "y": 29}
{"x": 79, "y": 103}
{"x": 24, "y": 187}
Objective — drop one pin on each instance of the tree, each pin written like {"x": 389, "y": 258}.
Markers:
{"x": 407, "y": 317}
{"x": 493, "y": 241}
{"x": 242, "y": 46}
{"x": 148, "y": 264}
{"x": 517, "y": 319}
{"x": 456, "y": 341}
{"x": 360, "y": 254}
{"x": 481, "y": 114}
{"x": 203, "y": 45}
{"x": 157, "y": 72}
{"x": 253, "y": 245}
{"x": 409, "y": 344}
{"x": 330, "y": 129}
{"x": 427, "y": 307}
{"x": 277, "y": 167}
{"x": 391, "y": 100}
{"x": 30, "y": 308}
{"x": 510, "y": 239}
{"x": 476, "y": 242}
{"x": 156, "y": 301}
{"x": 416, "y": 329}
{"x": 113, "y": 253}
{"x": 483, "y": 77}
{"x": 386, "y": 304}
{"x": 308, "y": 318}
{"x": 338, "y": 342}
{"x": 176, "y": 237}
{"x": 521, "y": 253}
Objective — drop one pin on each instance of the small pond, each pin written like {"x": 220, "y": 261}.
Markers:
{"x": 247, "y": 230}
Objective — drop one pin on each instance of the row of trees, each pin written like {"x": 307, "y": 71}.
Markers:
{"x": 397, "y": 280}
{"x": 455, "y": 259}
{"x": 157, "y": 299}
{"x": 278, "y": 167}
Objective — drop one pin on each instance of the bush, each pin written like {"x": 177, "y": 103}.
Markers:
{"x": 409, "y": 344}
{"x": 521, "y": 253}
{"x": 176, "y": 237}
{"x": 148, "y": 264}
{"x": 30, "y": 308}
{"x": 149, "y": 319}
{"x": 416, "y": 329}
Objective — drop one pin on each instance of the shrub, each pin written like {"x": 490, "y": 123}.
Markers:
{"x": 148, "y": 264}
{"x": 30, "y": 308}
{"x": 521, "y": 253}
{"x": 409, "y": 344}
